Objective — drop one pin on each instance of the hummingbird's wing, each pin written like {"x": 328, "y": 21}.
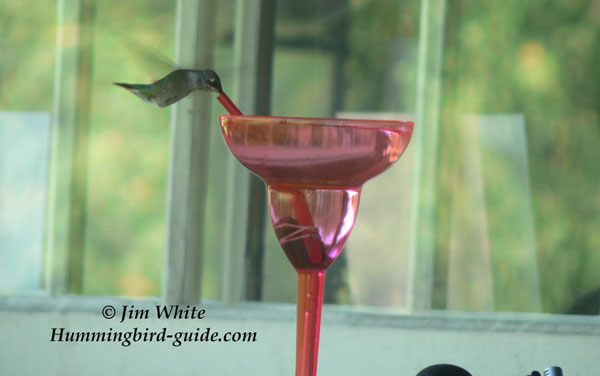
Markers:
{"x": 148, "y": 57}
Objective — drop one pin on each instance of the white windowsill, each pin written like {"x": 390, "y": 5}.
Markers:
{"x": 354, "y": 341}
{"x": 332, "y": 314}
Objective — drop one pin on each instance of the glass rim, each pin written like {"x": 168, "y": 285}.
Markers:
{"x": 322, "y": 121}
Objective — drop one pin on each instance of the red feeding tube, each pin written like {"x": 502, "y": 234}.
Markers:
{"x": 304, "y": 218}
{"x": 228, "y": 104}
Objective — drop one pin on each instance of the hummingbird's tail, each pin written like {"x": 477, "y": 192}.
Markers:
{"x": 138, "y": 89}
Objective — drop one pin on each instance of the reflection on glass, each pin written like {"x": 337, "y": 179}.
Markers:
{"x": 24, "y": 146}
{"x": 491, "y": 233}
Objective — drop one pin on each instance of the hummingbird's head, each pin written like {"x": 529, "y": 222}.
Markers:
{"x": 211, "y": 81}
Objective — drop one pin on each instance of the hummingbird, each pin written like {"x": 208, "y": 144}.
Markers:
{"x": 175, "y": 86}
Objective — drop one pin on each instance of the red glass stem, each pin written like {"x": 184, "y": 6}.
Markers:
{"x": 228, "y": 104}
{"x": 310, "y": 304}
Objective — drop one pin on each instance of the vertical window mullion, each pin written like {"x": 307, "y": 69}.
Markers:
{"x": 67, "y": 193}
{"x": 189, "y": 149}
{"x": 246, "y": 33}
{"x": 425, "y": 142}
{"x": 255, "y": 242}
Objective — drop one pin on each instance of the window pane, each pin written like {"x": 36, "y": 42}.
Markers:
{"x": 519, "y": 145}
{"x": 24, "y": 144}
{"x": 517, "y": 185}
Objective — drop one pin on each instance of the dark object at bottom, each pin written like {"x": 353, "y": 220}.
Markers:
{"x": 443, "y": 370}
{"x": 553, "y": 371}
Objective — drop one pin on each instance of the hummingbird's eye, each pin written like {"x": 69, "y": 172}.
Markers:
{"x": 214, "y": 83}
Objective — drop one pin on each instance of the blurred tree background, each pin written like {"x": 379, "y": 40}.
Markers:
{"x": 539, "y": 59}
